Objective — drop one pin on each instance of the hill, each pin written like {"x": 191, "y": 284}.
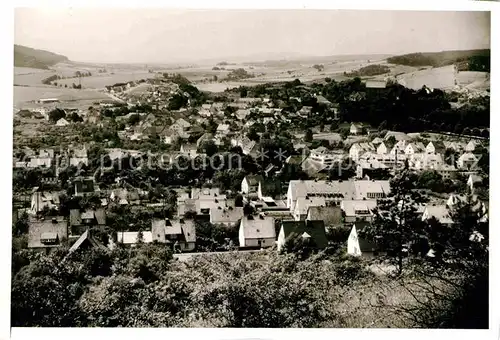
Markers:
{"x": 30, "y": 57}
{"x": 469, "y": 60}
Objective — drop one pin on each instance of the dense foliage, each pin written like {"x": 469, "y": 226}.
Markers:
{"x": 478, "y": 60}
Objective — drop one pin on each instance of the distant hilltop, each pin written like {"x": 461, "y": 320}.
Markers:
{"x": 469, "y": 60}
{"x": 30, "y": 57}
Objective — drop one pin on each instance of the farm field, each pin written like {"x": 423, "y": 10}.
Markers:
{"x": 100, "y": 81}
{"x": 24, "y": 95}
{"x": 33, "y": 79}
{"x": 440, "y": 77}
{"x": 28, "y": 70}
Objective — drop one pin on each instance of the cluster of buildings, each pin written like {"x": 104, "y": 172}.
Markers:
{"x": 380, "y": 154}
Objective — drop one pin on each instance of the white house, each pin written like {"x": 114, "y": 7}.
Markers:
{"x": 357, "y": 246}
{"x": 41, "y": 200}
{"x": 435, "y": 147}
{"x": 303, "y": 204}
{"x": 356, "y": 129}
{"x": 471, "y": 146}
{"x": 250, "y": 184}
{"x": 222, "y": 130}
{"x": 413, "y": 148}
{"x": 62, "y": 122}
{"x": 467, "y": 161}
{"x": 257, "y": 231}
{"x": 359, "y": 148}
{"x": 472, "y": 180}
{"x": 382, "y": 149}
{"x": 439, "y": 212}
{"x": 400, "y": 147}
{"x": 181, "y": 232}
{"x": 358, "y": 210}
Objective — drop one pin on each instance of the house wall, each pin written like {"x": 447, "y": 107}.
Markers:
{"x": 353, "y": 243}
{"x": 254, "y": 242}
{"x": 281, "y": 239}
{"x": 241, "y": 237}
{"x": 244, "y": 186}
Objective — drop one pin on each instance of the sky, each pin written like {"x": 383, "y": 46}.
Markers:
{"x": 152, "y": 35}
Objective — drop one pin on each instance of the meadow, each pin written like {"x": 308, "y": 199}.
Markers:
{"x": 23, "y": 95}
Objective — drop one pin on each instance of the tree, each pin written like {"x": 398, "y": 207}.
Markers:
{"x": 308, "y": 136}
{"x": 253, "y": 135}
{"x": 134, "y": 119}
{"x": 243, "y": 92}
{"x": 397, "y": 227}
{"x": 56, "y": 114}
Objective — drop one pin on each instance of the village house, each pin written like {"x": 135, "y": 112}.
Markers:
{"x": 269, "y": 188}
{"x": 84, "y": 186}
{"x": 124, "y": 196}
{"x": 357, "y": 246}
{"x": 467, "y": 161}
{"x": 357, "y": 149}
{"x": 435, "y": 147}
{"x": 399, "y": 147}
{"x": 206, "y": 137}
{"x": 425, "y": 161}
{"x": 377, "y": 141}
{"x": 87, "y": 241}
{"x": 222, "y": 130}
{"x": 414, "y": 147}
{"x": 179, "y": 233}
{"x": 326, "y": 157}
{"x": 226, "y": 216}
{"x": 46, "y": 234}
{"x": 303, "y": 204}
{"x": 331, "y": 215}
{"x": 250, "y": 184}
{"x": 335, "y": 192}
{"x": 43, "y": 200}
{"x": 438, "y": 211}
{"x": 78, "y": 156}
{"x": 257, "y": 231}
{"x": 474, "y": 180}
{"x": 189, "y": 150}
{"x": 447, "y": 171}
{"x": 471, "y": 146}
{"x": 62, "y": 122}
{"x": 205, "y": 110}
{"x": 455, "y": 146}
{"x": 381, "y": 148}
{"x": 80, "y": 221}
{"x": 356, "y": 129}
{"x": 181, "y": 126}
{"x": 241, "y": 114}
{"x": 305, "y": 111}
{"x": 358, "y": 211}
{"x": 313, "y": 231}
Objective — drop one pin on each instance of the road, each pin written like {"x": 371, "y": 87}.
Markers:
{"x": 113, "y": 97}
{"x": 187, "y": 256}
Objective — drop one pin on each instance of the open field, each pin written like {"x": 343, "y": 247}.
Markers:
{"x": 24, "y": 95}
{"x": 28, "y": 70}
{"x": 99, "y": 81}
{"x": 440, "y": 77}
{"x": 33, "y": 79}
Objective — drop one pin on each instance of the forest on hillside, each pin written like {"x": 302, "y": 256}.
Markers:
{"x": 470, "y": 60}
{"x": 30, "y": 57}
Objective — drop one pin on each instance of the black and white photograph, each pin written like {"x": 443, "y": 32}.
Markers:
{"x": 250, "y": 168}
